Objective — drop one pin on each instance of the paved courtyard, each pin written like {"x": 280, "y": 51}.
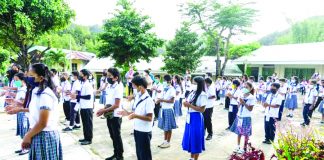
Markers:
{"x": 220, "y": 147}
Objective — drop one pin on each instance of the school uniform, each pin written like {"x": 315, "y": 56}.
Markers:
{"x": 228, "y": 89}
{"x": 243, "y": 122}
{"x": 102, "y": 99}
{"x": 46, "y": 144}
{"x": 217, "y": 86}
{"x": 187, "y": 88}
{"x": 66, "y": 86}
{"x": 22, "y": 120}
{"x": 177, "y": 104}
{"x": 143, "y": 129}
{"x": 149, "y": 84}
{"x": 157, "y": 95}
{"x": 86, "y": 105}
{"x": 166, "y": 119}
{"x": 282, "y": 90}
{"x": 75, "y": 105}
{"x": 129, "y": 76}
{"x": 318, "y": 101}
{"x": 321, "y": 105}
{"x": 233, "y": 108}
{"x": 261, "y": 92}
{"x": 209, "y": 109}
{"x": 267, "y": 92}
{"x": 115, "y": 91}
{"x": 291, "y": 101}
{"x": 310, "y": 96}
{"x": 271, "y": 115}
{"x": 193, "y": 139}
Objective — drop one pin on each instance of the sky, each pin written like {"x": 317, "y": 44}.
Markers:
{"x": 273, "y": 15}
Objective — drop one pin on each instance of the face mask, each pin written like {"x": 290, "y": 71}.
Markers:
{"x": 110, "y": 81}
{"x": 245, "y": 90}
{"x": 273, "y": 91}
{"x": 194, "y": 87}
{"x": 18, "y": 84}
{"x": 31, "y": 81}
{"x": 233, "y": 86}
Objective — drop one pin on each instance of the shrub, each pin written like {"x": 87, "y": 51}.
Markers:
{"x": 250, "y": 154}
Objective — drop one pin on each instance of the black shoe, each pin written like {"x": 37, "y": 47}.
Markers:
{"x": 67, "y": 129}
{"x": 23, "y": 152}
{"x": 86, "y": 143}
{"x": 209, "y": 137}
{"x": 82, "y": 140}
{"x": 111, "y": 158}
{"x": 18, "y": 151}
{"x": 76, "y": 127}
{"x": 228, "y": 128}
{"x": 266, "y": 142}
{"x": 303, "y": 124}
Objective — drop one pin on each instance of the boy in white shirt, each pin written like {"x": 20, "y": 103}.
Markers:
{"x": 282, "y": 94}
{"x": 211, "y": 95}
{"x": 309, "y": 101}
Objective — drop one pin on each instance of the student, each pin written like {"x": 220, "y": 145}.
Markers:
{"x": 291, "y": 102}
{"x": 85, "y": 99}
{"x": 102, "y": 87}
{"x": 282, "y": 94}
{"x": 149, "y": 81}
{"x": 319, "y": 98}
{"x": 242, "y": 125}
{"x": 211, "y": 95}
{"x": 261, "y": 90}
{"x": 114, "y": 105}
{"x": 74, "y": 104}
{"x": 43, "y": 138}
{"x": 157, "y": 94}
{"x": 217, "y": 86}
{"x": 65, "y": 89}
{"x": 187, "y": 85}
{"x": 178, "y": 88}
{"x": 321, "y": 105}
{"x": 167, "y": 120}
{"x": 228, "y": 90}
{"x": 272, "y": 106}
{"x": 143, "y": 119}
{"x": 309, "y": 101}
{"x": 193, "y": 139}
{"x": 129, "y": 76}
{"x": 232, "y": 111}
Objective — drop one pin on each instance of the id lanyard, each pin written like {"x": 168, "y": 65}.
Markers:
{"x": 245, "y": 100}
{"x": 140, "y": 101}
{"x": 271, "y": 98}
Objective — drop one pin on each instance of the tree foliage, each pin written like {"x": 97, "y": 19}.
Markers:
{"x": 56, "y": 60}
{"x": 183, "y": 52}
{"x": 237, "y": 51}
{"x": 127, "y": 37}
{"x": 22, "y": 22}
{"x": 4, "y": 60}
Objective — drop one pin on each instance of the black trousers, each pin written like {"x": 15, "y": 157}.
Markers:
{"x": 227, "y": 102}
{"x": 143, "y": 145}
{"x": 319, "y": 100}
{"x": 130, "y": 89}
{"x": 208, "y": 120}
{"x": 187, "y": 94}
{"x": 114, "y": 125}
{"x": 306, "y": 113}
{"x": 157, "y": 110}
{"x": 66, "y": 109}
{"x": 281, "y": 110}
{"x": 270, "y": 129}
{"x": 232, "y": 115}
{"x": 74, "y": 115}
{"x": 217, "y": 95}
{"x": 149, "y": 91}
{"x": 87, "y": 116}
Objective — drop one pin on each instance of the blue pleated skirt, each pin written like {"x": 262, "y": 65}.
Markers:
{"x": 291, "y": 102}
{"x": 245, "y": 129}
{"x": 167, "y": 120}
{"x": 24, "y": 124}
{"x": 46, "y": 145}
{"x": 222, "y": 93}
{"x": 320, "y": 107}
{"x": 102, "y": 99}
{"x": 193, "y": 138}
{"x": 177, "y": 108}
{"x": 20, "y": 117}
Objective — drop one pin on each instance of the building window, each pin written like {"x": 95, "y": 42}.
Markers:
{"x": 74, "y": 67}
{"x": 267, "y": 71}
{"x": 301, "y": 73}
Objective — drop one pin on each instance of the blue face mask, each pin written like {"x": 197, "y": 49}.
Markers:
{"x": 31, "y": 82}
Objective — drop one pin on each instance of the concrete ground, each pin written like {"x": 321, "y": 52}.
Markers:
{"x": 220, "y": 147}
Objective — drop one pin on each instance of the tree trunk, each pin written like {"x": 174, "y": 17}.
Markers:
{"x": 218, "y": 62}
{"x": 226, "y": 53}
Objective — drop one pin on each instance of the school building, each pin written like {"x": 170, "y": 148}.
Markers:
{"x": 300, "y": 60}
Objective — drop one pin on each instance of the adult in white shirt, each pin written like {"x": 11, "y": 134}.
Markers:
{"x": 309, "y": 101}
{"x": 211, "y": 95}
{"x": 113, "y": 106}
{"x": 272, "y": 106}
{"x": 65, "y": 89}
{"x": 167, "y": 120}
{"x": 233, "y": 108}
{"x": 143, "y": 119}
{"x": 85, "y": 99}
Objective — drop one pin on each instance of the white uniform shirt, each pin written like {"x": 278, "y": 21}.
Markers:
{"x": 211, "y": 91}
{"x": 201, "y": 101}
{"x": 21, "y": 93}
{"x": 235, "y": 93}
{"x": 47, "y": 101}
{"x": 273, "y": 100}
{"x": 156, "y": 94}
{"x": 178, "y": 90}
{"x": 143, "y": 105}
{"x": 242, "y": 110}
{"x": 86, "y": 89}
{"x": 76, "y": 86}
{"x": 310, "y": 95}
{"x": 283, "y": 90}
{"x": 261, "y": 88}
{"x": 167, "y": 95}
{"x": 115, "y": 91}
{"x": 187, "y": 85}
{"x": 66, "y": 86}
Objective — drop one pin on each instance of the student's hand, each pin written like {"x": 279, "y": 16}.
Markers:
{"x": 131, "y": 116}
{"x": 123, "y": 113}
{"x": 100, "y": 112}
{"x": 158, "y": 101}
{"x": 73, "y": 96}
{"x": 26, "y": 142}
{"x": 130, "y": 98}
{"x": 311, "y": 107}
{"x": 242, "y": 101}
{"x": 265, "y": 104}
{"x": 13, "y": 110}
{"x": 186, "y": 104}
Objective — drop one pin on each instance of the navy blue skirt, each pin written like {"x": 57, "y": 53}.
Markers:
{"x": 193, "y": 138}
{"x": 167, "y": 120}
{"x": 177, "y": 108}
{"x": 291, "y": 102}
{"x": 46, "y": 145}
{"x": 20, "y": 117}
{"x": 320, "y": 107}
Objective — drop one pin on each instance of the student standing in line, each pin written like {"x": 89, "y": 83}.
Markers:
{"x": 319, "y": 99}
{"x": 321, "y": 105}
{"x": 102, "y": 87}
{"x": 129, "y": 76}
{"x": 157, "y": 94}
{"x": 85, "y": 99}
{"x": 143, "y": 119}
{"x": 187, "y": 85}
{"x": 193, "y": 139}
{"x": 217, "y": 86}
{"x": 114, "y": 105}
{"x": 65, "y": 89}
{"x": 234, "y": 95}
{"x": 309, "y": 101}
{"x": 261, "y": 91}
{"x": 167, "y": 120}
{"x": 242, "y": 125}
{"x": 177, "y": 105}
{"x": 282, "y": 94}
{"x": 272, "y": 106}
{"x": 149, "y": 81}
{"x": 211, "y": 95}
{"x": 292, "y": 101}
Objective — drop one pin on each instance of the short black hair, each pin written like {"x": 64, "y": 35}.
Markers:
{"x": 85, "y": 72}
{"x": 208, "y": 80}
{"x": 209, "y": 74}
{"x": 54, "y": 71}
{"x": 252, "y": 78}
{"x": 282, "y": 80}
{"x": 21, "y": 76}
{"x": 236, "y": 82}
{"x": 313, "y": 81}
{"x": 75, "y": 73}
{"x": 167, "y": 78}
{"x": 139, "y": 81}
{"x": 115, "y": 73}
{"x": 135, "y": 74}
{"x": 147, "y": 71}
{"x": 157, "y": 76}
{"x": 276, "y": 85}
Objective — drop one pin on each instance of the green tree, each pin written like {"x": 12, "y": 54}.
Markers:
{"x": 237, "y": 51}
{"x": 22, "y": 22}
{"x": 4, "y": 60}
{"x": 183, "y": 52}
{"x": 127, "y": 37}
{"x": 56, "y": 60}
